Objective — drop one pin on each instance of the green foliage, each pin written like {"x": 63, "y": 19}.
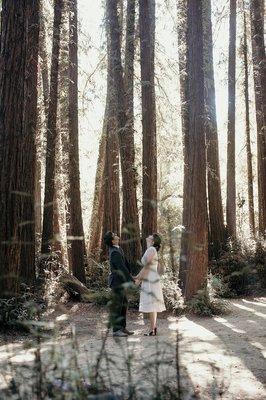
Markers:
{"x": 216, "y": 285}
{"x": 260, "y": 259}
{"x": 169, "y": 221}
{"x": 262, "y": 275}
{"x": 17, "y": 312}
{"x": 237, "y": 269}
{"x": 133, "y": 294}
{"x": 206, "y": 305}
{"x": 102, "y": 297}
{"x": 97, "y": 274}
{"x": 172, "y": 295}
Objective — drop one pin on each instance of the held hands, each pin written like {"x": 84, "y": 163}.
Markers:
{"x": 137, "y": 280}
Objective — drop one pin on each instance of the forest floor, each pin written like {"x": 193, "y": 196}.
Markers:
{"x": 220, "y": 357}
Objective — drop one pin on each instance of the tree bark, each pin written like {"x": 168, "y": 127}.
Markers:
{"x": 195, "y": 201}
{"x": 58, "y": 198}
{"x": 216, "y": 218}
{"x": 44, "y": 90}
{"x": 259, "y": 72}
{"x": 248, "y": 145}
{"x": 130, "y": 223}
{"x": 52, "y": 133}
{"x": 96, "y": 223}
{"x": 63, "y": 133}
{"x": 129, "y": 61}
{"x": 231, "y": 178}
{"x": 111, "y": 212}
{"x": 18, "y": 124}
{"x": 111, "y": 217}
{"x": 44, "y": 62}
{"x": 149, "y": 155}
{"x": 182, "y": 55}
{"x": 76, "y": 289}
{"x": 38, "y": 171}
{"x": 78, "y": 251}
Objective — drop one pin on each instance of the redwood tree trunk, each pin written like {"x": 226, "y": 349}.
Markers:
{"x": 111, "y": 212}
{"x": 182, "y": 54}
{"x": 48, "y": 212}
{"x": 18, "y": 123}
{"x": 130, "y": 222}
{"x": 38, "y": 171}
{"x": 77, "y": 252}
{"x": 216, "y": 218}
{"x": 248, "y": 145}
{"x": 195, "y": 201}
{"x": 95, "y": 230}
{"x": 44, "y": 62}
{"x": 231, "y": 175}
{"x": 111, "y": 217}
{"x": 129, "y": 61}
{"x": 149, "y": 155}
{"x": 259, "y": 70}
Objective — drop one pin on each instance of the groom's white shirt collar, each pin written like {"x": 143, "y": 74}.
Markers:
{"x": 115, "y": 245}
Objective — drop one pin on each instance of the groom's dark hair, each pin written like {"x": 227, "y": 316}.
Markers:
{"x": 108, "y": 238}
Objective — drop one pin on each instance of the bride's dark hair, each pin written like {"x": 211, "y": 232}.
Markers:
{"x": 156, "y": 241}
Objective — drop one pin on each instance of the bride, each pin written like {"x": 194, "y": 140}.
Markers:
{"x": 151, "y": 295}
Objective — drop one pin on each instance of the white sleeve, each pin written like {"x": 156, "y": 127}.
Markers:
{"x": 149, "y": 254}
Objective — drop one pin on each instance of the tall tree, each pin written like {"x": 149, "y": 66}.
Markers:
{"x": 78, "y": 251}
{"x": 111, "y": 211}
{"x": 43, "y": 98}
{"x": 62, "y": 171}
{"x": 182, "y": 56}
{"x": 96, "y": 222}
{"x": 231, "y": 174}
{"x": 216, "y": 219}
{"x": 44, "y": 60}
{"x": 259, "y": 71}
{"x": 130, "y": 222}
{"x": 52, "y": 132}
{"x": 248, "y": 145}
{"x": 111, "y": 217}
{"x": 195, "y": 200}
{"x": 129, "y": 60}
{"x": 106, "y": 204}
{"x": 38, "y": 171}
{"x": 149, "y": 155}
{"x": 18, "y": 122}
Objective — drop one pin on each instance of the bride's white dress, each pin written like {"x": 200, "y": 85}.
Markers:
{"x": 151, "y": 295}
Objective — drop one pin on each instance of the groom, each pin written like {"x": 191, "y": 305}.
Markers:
{"x": 120, "y": 274}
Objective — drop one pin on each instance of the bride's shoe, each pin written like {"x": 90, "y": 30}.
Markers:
{"x": 152, "y": 333}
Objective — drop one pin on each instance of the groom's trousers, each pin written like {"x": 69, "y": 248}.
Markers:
{"x": 118, "y": 309}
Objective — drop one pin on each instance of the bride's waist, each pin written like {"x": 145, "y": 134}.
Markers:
{"x": 153, "y": 272}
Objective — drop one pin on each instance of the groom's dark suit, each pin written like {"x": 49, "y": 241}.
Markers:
{"x": 120, "y": 273}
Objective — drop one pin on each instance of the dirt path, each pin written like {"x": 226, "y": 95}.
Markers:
{"x": 221, "y": 357}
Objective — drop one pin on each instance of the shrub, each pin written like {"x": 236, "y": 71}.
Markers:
{"x": 262, "y": 275}
{"x": 172, "y": 294}
{"x": 205, "y": 305}
{"x": 97, "y": 274}
{"x": 102, "y": 296}
{"x": 260, "y": 258}
{"x": 16, "y": 312}
{"x": 217, "y": 286}
{"x": 236, "y": 271}
{"x": 53, "y": 289}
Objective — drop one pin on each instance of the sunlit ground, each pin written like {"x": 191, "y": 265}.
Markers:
{"x": 224, "y": 355}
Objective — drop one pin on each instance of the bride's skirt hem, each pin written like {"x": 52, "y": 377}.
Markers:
{"x": 152, "y": 310}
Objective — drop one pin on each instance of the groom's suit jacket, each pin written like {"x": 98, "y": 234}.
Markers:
{"x": 120, "y": 270}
